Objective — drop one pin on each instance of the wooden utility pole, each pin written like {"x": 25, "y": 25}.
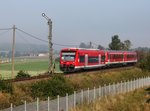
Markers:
{"x": 50, "y": 45}
{"x": 13, "y": 52}
{"x": 49, "y": 21}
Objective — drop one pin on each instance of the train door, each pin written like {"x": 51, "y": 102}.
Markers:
{"x": 123, "y": 56}
{"x": 99, "y": 59}
{"x": 86, "y": 60}
{"x": 103, "y": 58}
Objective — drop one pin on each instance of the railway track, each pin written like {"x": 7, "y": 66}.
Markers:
{"x": 47, "y": 75}
{"x": 91, "y": 71}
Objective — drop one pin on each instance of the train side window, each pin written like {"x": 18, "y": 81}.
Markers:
{"x": 114, "y": 56}
{"x": 130, "y": 56}
{"x": 82, "y": 59}
{"x": 102, "y": 58}
{"x": 109, "y": 57}
{"x": 93, "y": 59}
{"x": 120, "y": 56}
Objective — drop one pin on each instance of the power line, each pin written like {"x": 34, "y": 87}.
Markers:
{"x": 45, "y": 40}
{"x": 35, "y": 37}
{"x": 4, "y": 32}
{"x": 32, "y": 36}
{"x": 6, "y": 29}
{"x": 29, "y": 44}
{"x": 20, "y": 35}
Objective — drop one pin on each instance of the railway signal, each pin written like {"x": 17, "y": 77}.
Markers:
{"x": 49, "y": 21}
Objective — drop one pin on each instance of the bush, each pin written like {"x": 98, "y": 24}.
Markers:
{"x": 57, "y": 85}
{"x": 4, "y": 101}
{"x": 5, "y": 86}
{"x": 145, "y": 63}
{"x": 22, "y": 74}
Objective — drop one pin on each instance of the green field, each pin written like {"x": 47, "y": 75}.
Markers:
{"x": 32, "y": 66}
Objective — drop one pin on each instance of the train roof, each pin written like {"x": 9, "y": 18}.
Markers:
{"x": 119, "y": 51}
{"x": 79, "y": 49}
{"x": 111, "y": 51}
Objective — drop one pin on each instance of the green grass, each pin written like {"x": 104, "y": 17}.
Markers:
{"x": 27, "y": 66}
{"x": 32, "y": 66}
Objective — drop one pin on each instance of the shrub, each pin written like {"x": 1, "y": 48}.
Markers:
{"x": 5, "y": 86}
{"x": 22, "y": 74}
{"x": 57, "y": 85}
{"x": 145, "y": 63}
{"x": 4, "y": 101}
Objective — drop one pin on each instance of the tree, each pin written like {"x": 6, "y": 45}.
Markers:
{"x": 83, "y": 45}
{"x": 127, "y": 45}
{"x": 122, "y": 46}
{"x": 100, "y": 47}
{"x": 116, "y": 44}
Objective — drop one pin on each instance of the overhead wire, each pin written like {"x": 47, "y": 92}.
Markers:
{"x": 35, "y": 37}
{"x": 4, "y": 32}
{"x": 20, "y": 35}
{"x": 27, "y": 41}
{"x": 6, "y": 28}
{"x": 32, "y": 36}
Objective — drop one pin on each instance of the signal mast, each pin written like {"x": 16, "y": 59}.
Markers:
{"x": 49, "y": 22}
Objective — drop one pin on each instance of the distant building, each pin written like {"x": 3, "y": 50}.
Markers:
{"x": 43, "y": 54}
{"x": 5, "y": 61}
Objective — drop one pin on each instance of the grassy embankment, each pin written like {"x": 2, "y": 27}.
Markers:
{"x": 133, "y": 101}
{"x": 24, "y": 91}
{"x": 84, "y": 81}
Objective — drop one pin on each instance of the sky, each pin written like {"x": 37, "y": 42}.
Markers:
{"x": 76, "y": 21}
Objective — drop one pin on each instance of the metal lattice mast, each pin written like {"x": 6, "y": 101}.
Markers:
{"x": 50, "y": 41}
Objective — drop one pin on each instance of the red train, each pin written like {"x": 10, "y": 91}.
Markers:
{"x": 73, "y": 59}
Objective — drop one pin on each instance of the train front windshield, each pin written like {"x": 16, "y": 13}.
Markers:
{"x": 68, "y": 56}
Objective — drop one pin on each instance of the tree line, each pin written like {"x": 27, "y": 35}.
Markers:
{"x": 115, "y": 44}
